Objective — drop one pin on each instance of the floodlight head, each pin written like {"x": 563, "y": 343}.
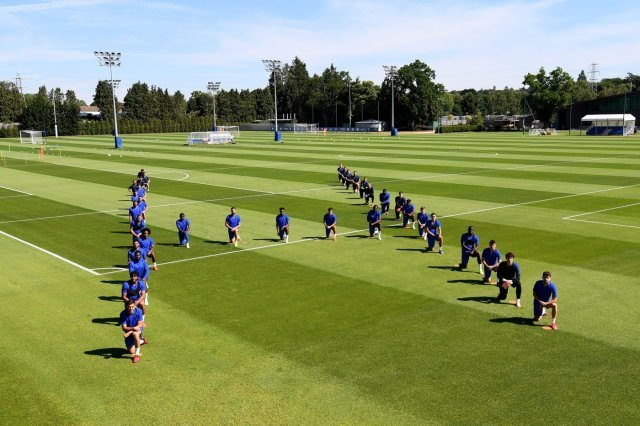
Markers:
{"x": 272, "y": 65}
{"x": 111, "y": 59}
{"x": 390, "y": 71}
{"x": 213, "y": 87}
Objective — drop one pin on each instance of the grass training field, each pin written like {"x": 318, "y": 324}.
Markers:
{"x": 357, "y": 331}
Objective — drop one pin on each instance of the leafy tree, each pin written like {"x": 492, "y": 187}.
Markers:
{"x": 364, "y": 94}
{"x": 548, "y": 93}
{"x": 137, "y": 102}
{"x": 103, "y": 100}
{"x": 296, "y": 87}
{"x": 200, "y": 104}
{"x": 38, "y": 112}
{"x": 11, "y": 102}
{"x": 69, "y": 114}
{"x": 419, "y": 97}
{"x": 583, "y": 90}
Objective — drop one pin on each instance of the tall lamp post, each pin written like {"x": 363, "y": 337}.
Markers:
{"x": 213, "y": 88}
{"x": 273, "y": 66}
{"x": 111, "y": 59}
{"x": 391, "y": 72}
{"x": 349, "y": 82}
{"x": 55, "y": 117}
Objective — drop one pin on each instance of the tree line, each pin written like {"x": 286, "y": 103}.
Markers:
{"x": 332, "y": 98}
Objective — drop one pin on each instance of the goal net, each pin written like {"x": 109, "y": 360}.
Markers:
{"x": 305, "y": 128}
{"x": 234, "y": 130}
{"x": 210, "y": 138}
{"x": 35, "y": 137}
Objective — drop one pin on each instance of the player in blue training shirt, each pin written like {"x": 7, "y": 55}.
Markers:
{"x": 147, "y": 243}
{"x": 491, "y": 258}
{"x": 134, "y": 290}
{"x": 131, "y": 253}
{"x": 400, "y": 200}
{"x": 434, "y": 233}
{"x": 232, "y": 223}
{"x": 373, "y": 217}
{"x": 469, "y": 243}
{"x": 509, "y": 276}
{"x": 132, "y": 324}
{"x": 407, "y": 215}
{"x": 136, "y": 227}
{"x": 423, "y": 218}
{"x": 142, "y": 207}
{"x": 364, "y": 186}
{"x": 184, "y": 226}
{"x": 133, "y": 210}
{"x": 330, "y": 220}
{"x": 140, "y": 266}
{"x": 355, "y": 182}
{"x": 545, "y": 295}
{"x": 282, "y": 226}
{"x": 340, "y": 172}
{"x": 385, "y": 201}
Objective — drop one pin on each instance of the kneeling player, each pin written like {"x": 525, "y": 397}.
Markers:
{"x": 491, "y": 258}
{"x": 184, "y": 226}
{"x": 373, "y": 217}
{"x": 330, "y": 220}
{"x": 545, "y": 295}
{"x": 423, "y": 219}
{"x": 232, "y": 223}
{"x": 509, "y": 276}
{"x": 407, "y": 215}
{"x": 434, "y": 233}
{"x": 133, "y": 325}
{"x": 146, "y": 242}
{"x": 385, "y": 201}
{"x": 134, "y": 290}
{"x": 282, "y": 226}
{"x": 469, "y": 243}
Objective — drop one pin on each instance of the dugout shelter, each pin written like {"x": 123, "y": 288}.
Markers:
{"x": 608, "y": 124}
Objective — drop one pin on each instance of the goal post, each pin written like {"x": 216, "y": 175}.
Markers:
{"x": 234, "y": 130}
{"x": 34, "y": 137}
{"x": 210, "y": 138}
{"x": 305, "y": 128}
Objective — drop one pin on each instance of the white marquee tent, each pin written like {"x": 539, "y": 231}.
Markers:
{"x": 609, "y": 124}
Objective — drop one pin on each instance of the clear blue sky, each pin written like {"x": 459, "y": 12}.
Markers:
{"x": 180, "y": 45}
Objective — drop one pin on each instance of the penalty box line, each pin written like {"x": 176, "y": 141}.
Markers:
{"x": 596, "y": 222}
{"x": 14, "y": 190}
{"x": 50, "y": 253}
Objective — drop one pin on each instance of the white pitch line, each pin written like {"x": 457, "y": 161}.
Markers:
{"x": 600, "y": 211}
{"x": 603, "y": 223}
{"x": 62, "y": 216}
{"x": 50, "y": 253}
{"x": 15, "y": 190}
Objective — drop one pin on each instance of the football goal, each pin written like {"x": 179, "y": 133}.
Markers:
{"x": 35, "y": 137}
{"x": 234, "y": 130}
{"x": 210, "y": 138}
{"x": 305, "y": 128}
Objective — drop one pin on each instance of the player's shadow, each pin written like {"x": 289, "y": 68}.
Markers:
{"x": 451, "y": 268}
{"x": 467, "y": 281}
{"x": 121, "y": 232}
{"x": 411, "y": 237}
{"x": 273, "y": 240}
{"x": 112, "y": 282}
{"x": 222, "y": 243}
{"x": 359, "y": 204}
{"x": 124, "y": 267}
{"x": 106, "y": 321}
{"x": 515, "y": 320}
{"x": 110, "y": 298}
{"x": 169, "y": 244}
{"x": 411, "y": 249}
{"x": 108, "y": 353}
{"x": 479, "y": 299}
{"x": 124, "y": 222}
{"x": 358, "y": 236}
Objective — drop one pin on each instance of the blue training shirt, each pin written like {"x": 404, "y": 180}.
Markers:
{"x": 146, "y": 243}
{"x": 133, "y": 291}
{"x": 183, "y": 225}
{"x": 469, "y": 241}
{"x": 141, "y": 267}
{"x": 329, "y": 219}
{"x": 544, "y": 292}
{"x": 433, "y": 226}
{"x": 385, "y": 197}
{"x": 490, "y": 256}
{"x": 373, "y": 216}
{"x": 232, "y": 220}
{"x": 282, "y": 220}
{"x": 131, "y": 320}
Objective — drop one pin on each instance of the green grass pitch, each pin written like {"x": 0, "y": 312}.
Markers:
{"x": 356, "y": 331}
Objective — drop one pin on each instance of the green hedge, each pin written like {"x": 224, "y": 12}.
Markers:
{"x": 9, "y": 132}
{"x": 128, "y": 126}
{"x": 461, "y": 128}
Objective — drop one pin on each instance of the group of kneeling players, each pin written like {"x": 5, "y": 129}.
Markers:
{"x": 545, "y": 293}
{"x": 135, "y": 290}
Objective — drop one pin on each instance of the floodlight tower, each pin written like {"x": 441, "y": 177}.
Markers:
{"x": 391, "y": 72}
{"x": 274, "y": 66}
{"x": 111, "y": 59}
{"x": 349, "y": 83}
{"x": 213, "y": 88}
